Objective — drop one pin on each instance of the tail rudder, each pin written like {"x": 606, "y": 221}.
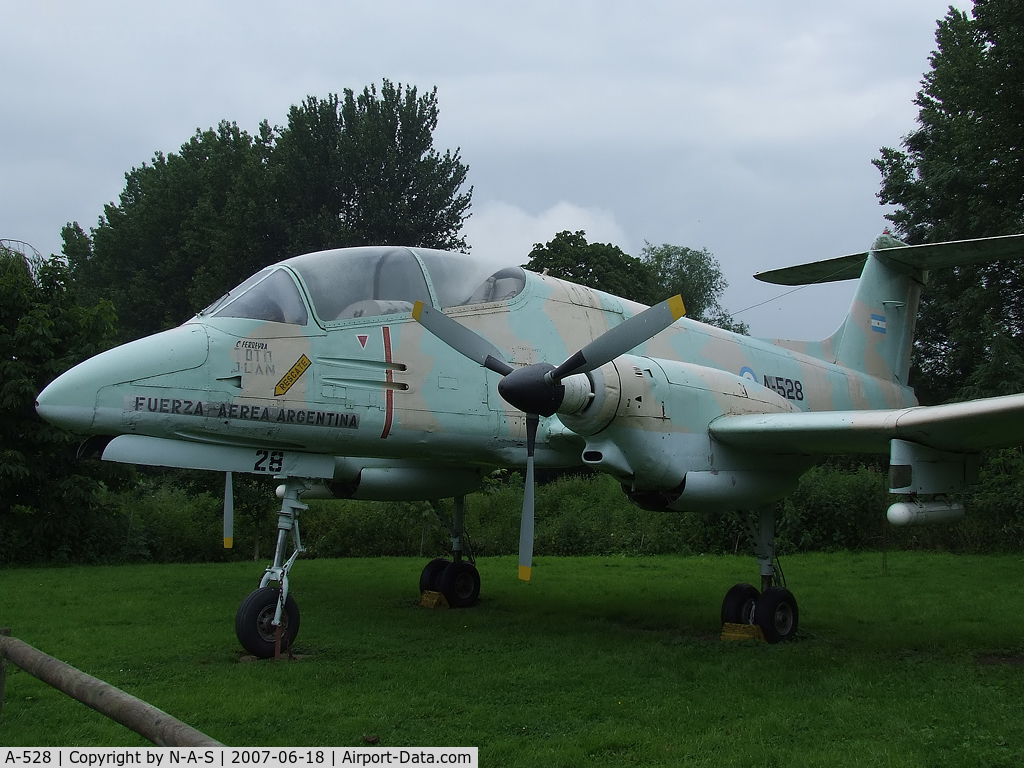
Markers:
{"x": 877, "y": 336}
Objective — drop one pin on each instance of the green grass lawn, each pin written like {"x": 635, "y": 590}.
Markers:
{"x": 599, "y": 661}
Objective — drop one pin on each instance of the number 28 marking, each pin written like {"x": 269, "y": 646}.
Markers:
{"x": 268, "y": 461}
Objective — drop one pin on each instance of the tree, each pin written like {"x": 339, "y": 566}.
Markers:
{"x": 45, "y": 502}
{"x": 190, "y": 225}
{"x": 187, "y": 228}
{"x": 602, "y": 266}
{"x": 961, "y": 175}
{"x": 362, "y": 170}
{"x": 697, "y": 277}
{"x": 662, "y": 271}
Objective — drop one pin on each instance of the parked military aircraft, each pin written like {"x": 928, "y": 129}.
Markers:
{"x": 406, "y": 373}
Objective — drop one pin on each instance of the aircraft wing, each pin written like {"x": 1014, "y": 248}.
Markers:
{"x": 968, "y": 427}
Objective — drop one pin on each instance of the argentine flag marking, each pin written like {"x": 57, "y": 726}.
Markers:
{"x": 878, "y": 323}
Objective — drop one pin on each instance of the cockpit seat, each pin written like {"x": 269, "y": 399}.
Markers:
{"x": 503, "y": 284}
{"x": 374, "y": 307}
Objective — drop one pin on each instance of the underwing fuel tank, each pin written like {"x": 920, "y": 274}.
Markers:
{"x": 924, "y": 513}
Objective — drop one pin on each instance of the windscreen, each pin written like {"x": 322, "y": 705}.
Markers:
{"x": 274, "y": 298}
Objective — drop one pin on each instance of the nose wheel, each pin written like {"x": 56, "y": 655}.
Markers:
{"x": 254, "y": 622}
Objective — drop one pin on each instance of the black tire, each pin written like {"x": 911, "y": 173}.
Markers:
{"x": 738, "y": 605}
{"x": 777, "y": 615}
{"x": 253, "y": 624}
{"x": 460, "y": 584}
{"x": 431, "y": 573}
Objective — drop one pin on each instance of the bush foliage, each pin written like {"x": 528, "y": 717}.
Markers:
{"x": 168, "y": 518}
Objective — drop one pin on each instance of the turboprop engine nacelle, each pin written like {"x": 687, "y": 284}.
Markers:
{"x": 924, "y": 513}
{"x": 646, "y": 426}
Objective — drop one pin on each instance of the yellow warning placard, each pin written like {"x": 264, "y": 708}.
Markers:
{"x": 293, "y": 375}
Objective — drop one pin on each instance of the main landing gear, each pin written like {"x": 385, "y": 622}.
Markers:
{"x": 773, "y": 608}
{"x": 267, "y": 621}
{"x": 457, "y": 579}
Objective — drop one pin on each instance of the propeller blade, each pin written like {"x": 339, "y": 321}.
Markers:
{"x": 460, "y": 338}
{"x": 526, "y": 522}
{"x": 620, "y": 339}
{"x": 229, "y": 512}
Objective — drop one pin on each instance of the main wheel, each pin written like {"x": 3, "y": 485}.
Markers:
{"x": 431, "y": 573}
{"x": 254, "y": 622}
{"x": 777, "y": 615}
{"x": 460, "y": 584}
{"x": 738, "y": 605}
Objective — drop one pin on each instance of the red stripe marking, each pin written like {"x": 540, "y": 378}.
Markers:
{"x": 389, "y": 393}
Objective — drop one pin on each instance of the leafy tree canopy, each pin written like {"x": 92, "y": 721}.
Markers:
{"x": 694, "y": 275}
{"x": 660, "y": 272}
{"x": 961, "y": 175}
{"x": 44, "y": 330}
{"x": 605, "y": 267}
{"x": 351, "y": 170}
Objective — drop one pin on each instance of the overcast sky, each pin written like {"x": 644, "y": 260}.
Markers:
{"x": 744, "y": 127}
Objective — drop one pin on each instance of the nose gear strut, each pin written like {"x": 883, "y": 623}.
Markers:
{"x": 267, "y": 621}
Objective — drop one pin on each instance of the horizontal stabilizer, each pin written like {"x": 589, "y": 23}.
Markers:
{"x": 921, "y": 257}
{"x": 969, "y": 427}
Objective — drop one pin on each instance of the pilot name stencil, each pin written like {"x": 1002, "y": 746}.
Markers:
{"x": 259, "y": 360}
{"x": 234, "y": 411}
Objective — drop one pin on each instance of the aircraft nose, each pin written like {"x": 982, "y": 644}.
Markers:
{"x": 67, "y": 404}
{"x": 71, "y": 401}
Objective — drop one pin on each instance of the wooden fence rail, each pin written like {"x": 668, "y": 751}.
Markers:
{"x": 146, "y": 720}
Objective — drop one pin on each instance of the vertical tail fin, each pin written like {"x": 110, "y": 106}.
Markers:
{"x": 877, "y": 335}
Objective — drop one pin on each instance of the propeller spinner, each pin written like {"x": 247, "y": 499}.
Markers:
{"x": 543, "y": 389}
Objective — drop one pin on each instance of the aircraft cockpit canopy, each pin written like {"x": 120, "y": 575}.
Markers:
{"x": 270, "y": 294}
{"x": 351, "y": 283}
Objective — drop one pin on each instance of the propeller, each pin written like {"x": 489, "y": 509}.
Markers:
{"x": 543, "y": 389}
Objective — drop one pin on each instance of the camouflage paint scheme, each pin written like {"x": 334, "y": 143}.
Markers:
{"x": 695, "y": 418}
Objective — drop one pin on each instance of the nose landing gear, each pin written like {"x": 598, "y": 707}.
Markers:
{"x": 267, "y": 621}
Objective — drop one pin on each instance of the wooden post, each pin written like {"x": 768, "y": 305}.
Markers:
{"x": 135, "y": 714}
{"x": 4, "y": 632}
